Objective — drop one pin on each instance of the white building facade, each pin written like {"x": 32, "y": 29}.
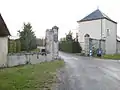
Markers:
{"x": 100, "y": 27}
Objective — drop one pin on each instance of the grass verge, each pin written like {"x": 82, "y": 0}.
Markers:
{"x": 114, "y": 57}
{"x": 30, "y": 77}
{"x": 36, "y": 50}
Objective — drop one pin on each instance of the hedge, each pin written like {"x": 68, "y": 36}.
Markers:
{"x": 14, "y": 46}
{"x": 70, "y": 46}
{"x": 18, "y": 45}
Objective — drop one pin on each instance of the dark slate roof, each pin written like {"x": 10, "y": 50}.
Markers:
{"x": 3, "y": 28}
{"x": 97, "y": 14}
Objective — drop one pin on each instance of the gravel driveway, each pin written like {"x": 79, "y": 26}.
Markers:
{"x": 85, "y": 73}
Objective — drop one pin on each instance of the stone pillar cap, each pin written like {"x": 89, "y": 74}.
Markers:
{"x": 87, "y": 35}
{"x": 55, "y": 27}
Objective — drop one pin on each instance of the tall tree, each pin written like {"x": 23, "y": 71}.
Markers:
{"x": 27, "y": 38}
{"x": 69, "y": 36}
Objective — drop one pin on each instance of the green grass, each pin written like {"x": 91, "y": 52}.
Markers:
{"x": 30, "y": 77}
{"x": 36, "y": 50}
{"x": 115, "y": 57}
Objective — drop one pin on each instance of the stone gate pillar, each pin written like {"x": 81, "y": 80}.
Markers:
{"x": 47, "y": 47}
{"x": 87, "y": 46}
{"x": 55, "y": 42}
{"x": 49, "y": 42}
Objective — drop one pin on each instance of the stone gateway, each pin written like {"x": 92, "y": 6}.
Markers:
{"x": 52, "y": 42}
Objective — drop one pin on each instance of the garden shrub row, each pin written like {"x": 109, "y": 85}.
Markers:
{"x": 70, "y": 46}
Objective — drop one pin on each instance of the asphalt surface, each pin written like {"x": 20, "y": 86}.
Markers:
{"x": 87, "y": 73}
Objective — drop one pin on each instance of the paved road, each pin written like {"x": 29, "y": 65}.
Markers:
{"x": 84, "y": 73}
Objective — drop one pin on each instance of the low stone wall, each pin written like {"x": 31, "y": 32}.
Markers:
{"x": 24, "y": 58}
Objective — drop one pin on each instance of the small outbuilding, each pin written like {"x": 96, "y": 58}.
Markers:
{"x": 4, "y": 33}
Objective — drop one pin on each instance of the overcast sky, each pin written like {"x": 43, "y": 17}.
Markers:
{"x": 43, "y": 14}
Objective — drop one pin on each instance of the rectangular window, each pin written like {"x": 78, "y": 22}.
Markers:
{"x": 108, "y": 32}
